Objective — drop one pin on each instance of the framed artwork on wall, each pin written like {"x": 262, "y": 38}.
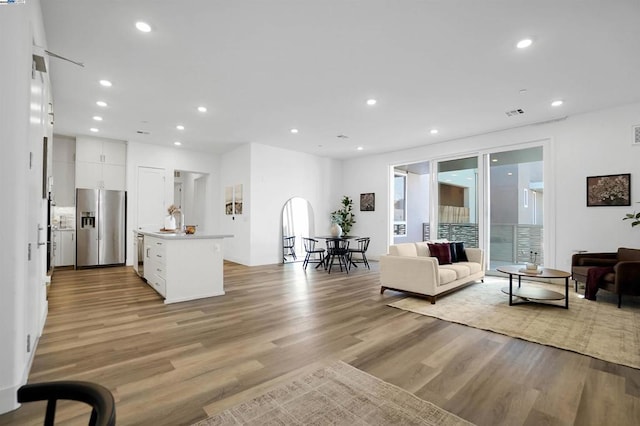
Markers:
{"x": 368, "y": 202}
{"x": 609, "y": 190}
{"x": 228, "y": 200}
{"x": 237, "y": 199}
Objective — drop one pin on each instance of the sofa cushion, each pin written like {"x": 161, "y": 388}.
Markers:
{"x": 441, "y": 251}
{"x": 445, "y": 276}
{"x": 596, "y": 261}
{"x": 628, "y": 254}
{"x": 474, "y": 267}
{"x": 422, "y": 248}
{"x": 404, "y": 249}
{"x": 461, "y": 270}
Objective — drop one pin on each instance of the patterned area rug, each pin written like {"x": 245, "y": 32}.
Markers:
{"x": 337, "y": 394}
{"x": 598, "y": 329}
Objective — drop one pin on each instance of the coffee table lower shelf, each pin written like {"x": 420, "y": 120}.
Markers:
{"x": 534, "y": 294}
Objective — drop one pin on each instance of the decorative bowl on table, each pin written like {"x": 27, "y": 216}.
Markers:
{"x": 190, "y": 229}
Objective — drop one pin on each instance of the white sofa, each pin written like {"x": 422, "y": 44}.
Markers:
{"x": 409, "y": 268}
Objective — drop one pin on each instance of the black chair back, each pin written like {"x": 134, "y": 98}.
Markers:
{"x": 101, "y": 400}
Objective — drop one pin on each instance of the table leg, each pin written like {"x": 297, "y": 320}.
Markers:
{"x": 566, "y": 293}
{"x": 519, "y": 280}
{"x": 510, "y": 289}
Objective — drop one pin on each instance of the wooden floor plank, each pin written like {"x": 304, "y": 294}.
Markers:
{"x": 176, "y": 364}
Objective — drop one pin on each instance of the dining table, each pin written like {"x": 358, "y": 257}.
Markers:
{"x": 333, "y": 237}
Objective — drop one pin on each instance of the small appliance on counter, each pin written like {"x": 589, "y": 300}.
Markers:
{"x": 100, "y": 227}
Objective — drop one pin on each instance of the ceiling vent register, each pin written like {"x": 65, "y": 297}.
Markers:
{"x": 636, "y": 135}
{"x": 514, "y": 112}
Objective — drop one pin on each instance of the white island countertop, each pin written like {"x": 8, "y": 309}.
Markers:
{"x": 182, "y": 235}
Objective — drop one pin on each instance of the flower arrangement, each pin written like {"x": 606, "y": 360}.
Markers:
{"x": 173, "y": 209}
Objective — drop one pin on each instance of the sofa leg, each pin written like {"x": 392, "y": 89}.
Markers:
{"x": 432, "y": 299}
{"x": 619, "y": 300}
{"x": 382, "y": 289}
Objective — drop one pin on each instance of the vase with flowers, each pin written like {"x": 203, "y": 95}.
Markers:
{"x": 532, "y": 264}
{"x": 633, "y": 217}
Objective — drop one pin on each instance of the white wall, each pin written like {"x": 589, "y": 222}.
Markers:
{"x": 596, "y": 143}
{"x": 170, "y": 159}
{"x": 22, "y": 127}
{"x": 271, "y": 176}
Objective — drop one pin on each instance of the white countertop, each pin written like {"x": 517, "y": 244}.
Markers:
{"x": 183, "y": 236}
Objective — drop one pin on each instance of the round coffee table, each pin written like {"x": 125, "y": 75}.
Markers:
{"x": 534, "y": 294}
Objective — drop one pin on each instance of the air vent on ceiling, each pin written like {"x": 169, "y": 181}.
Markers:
{"x": 143, "y": 132}
{"x": 38, "y": 63}
{"x": 341, "y": 136}
{"x": 514, "y": 112}
{"x": 636, "y": 135}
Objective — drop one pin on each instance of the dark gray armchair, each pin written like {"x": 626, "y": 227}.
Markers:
{"x": 623, "y": 279}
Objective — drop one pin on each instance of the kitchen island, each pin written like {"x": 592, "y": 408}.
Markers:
{"x": 183, "y": 267}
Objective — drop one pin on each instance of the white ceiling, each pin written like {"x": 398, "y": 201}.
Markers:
{"x": 264, "y": 67}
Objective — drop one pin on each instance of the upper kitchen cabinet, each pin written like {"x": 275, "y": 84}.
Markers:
{"x": 64, "y": 171}
{"x": 100, "y": 163}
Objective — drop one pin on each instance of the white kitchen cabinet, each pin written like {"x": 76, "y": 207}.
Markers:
{"x": 64, "y": 185}
{"x": 155, "y": 264}
{"x": 100, "y": 164}
{"x": 64, "y": 247}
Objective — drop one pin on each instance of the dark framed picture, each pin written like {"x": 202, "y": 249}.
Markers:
{"x": 368, "y": 202}
{"x": 609, "y": 190}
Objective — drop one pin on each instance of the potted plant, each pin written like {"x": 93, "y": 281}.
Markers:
{"x": 634, "y": 217}
{"x": 344, "y": 217}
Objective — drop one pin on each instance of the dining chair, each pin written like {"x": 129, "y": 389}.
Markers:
{"x": 338, "y": 248}
{"x": 288, "y": 248}
{"x": 99, "y": 398}
{"x": 361, "y": 249}
{"x": 312, "y": 251}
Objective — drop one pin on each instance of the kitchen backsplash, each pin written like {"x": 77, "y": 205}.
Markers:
{"x": 64, "y": 217}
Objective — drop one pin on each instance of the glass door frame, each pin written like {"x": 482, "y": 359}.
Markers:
{"x": 484, "y": 213}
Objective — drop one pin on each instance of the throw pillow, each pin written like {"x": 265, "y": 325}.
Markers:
{"x": 454, "y": 254}
{"x": 461, "y": 255}
{"x": 442, "y": 252}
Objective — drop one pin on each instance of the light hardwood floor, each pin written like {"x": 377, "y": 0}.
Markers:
{"x": 176, "y": 364}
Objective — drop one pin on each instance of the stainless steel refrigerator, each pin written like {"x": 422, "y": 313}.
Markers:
{"x": 100, "y": 227}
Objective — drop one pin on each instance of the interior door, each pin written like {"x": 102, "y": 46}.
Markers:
{"x": 151, "y": 193}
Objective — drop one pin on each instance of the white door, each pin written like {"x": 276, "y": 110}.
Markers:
{"x": 199, "y": 199}
{"x": 151, "y": 205}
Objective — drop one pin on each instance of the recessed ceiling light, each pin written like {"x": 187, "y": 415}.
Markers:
{"x": 371, "y": 102}
{"x": 176, "y": 143}
{"x": 556, "y": 103}
{"x": 105, "y": 83}
{"x": 524, "y": 43}
{"x": 180, "y": 127}
{"x": 97, "y": 118}
{"x": 94, "y": 130}
{"x": 294, "y": 131}
{"x": 433, "y": 131}
{"x": 509, "y": 174}
{"x": 494, "y": 160}
{"x": 101, "y": 103}
{"x": 360, "y": 148}
{"x": 143, "y": 26}
{"x": 202, "y": 109}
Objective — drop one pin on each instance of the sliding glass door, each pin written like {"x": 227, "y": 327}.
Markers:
{"x": 516, "y": 186}
{"x": 458, "y": 200}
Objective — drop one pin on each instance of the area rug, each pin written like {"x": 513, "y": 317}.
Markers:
{"x": 337, "y": 394}
{"x": 595, "y": 328}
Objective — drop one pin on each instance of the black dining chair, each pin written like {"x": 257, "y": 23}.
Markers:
{"x": 338, "y": 248}
{"x": 361, "y": 249}
{"x": 312, "y": 252}
{"x": 103, "y": 406}
{"x": 288, "y": 248}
